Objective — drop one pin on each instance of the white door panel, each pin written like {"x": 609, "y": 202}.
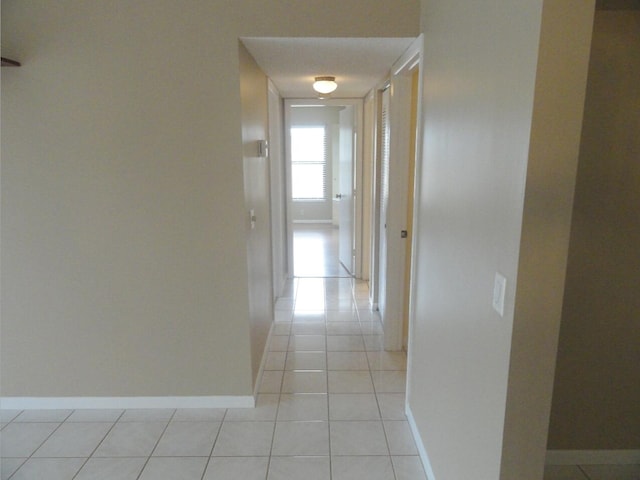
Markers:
{"x": 345, "y": 195}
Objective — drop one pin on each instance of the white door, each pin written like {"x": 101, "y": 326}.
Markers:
{"x": 384, "y": 203}
{"x": 345, "y": 194}
{"x": 396, "y": 131}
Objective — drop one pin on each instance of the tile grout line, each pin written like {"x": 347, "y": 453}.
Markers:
{"x": 326, "y": 360}
{"x": 586, "y": 475}
{"x": 215, "y": 440}
{"x": 41, "y": 443}
{"x": 99, "y": 443}
{"x": 275, "y": 420}
{"x": 5, "y": 426}
{"x": 156, "y": 444}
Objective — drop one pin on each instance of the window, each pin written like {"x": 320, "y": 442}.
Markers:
{"x": 308, "y": 163}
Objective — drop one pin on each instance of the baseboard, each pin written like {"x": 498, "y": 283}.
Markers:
{"x": 311, "y": 222}
{"x": 593, "y": 457}
{"x": 283, "y": 284}
{"x": 263, "y": 362}
{"x": 422, "y": 452}
{"x": 78, "y": 403}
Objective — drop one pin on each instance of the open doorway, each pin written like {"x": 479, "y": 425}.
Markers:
{"x": 398, "y": 119}
{"x": 322, "y": 155}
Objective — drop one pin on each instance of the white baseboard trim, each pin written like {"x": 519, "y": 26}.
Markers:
{"x": 593, "y": 457}
{"x": 422, "y": 452}
{"x": 322, "y": 222}
{"x": 283, "y": 283}
{"x": 263, "y": 362}
{"x": 78, "y": 403}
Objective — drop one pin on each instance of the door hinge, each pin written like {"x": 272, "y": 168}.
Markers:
{"x": 403, "y": 234}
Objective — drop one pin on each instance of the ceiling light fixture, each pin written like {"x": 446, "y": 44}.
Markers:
{"x": 325, "y": 85}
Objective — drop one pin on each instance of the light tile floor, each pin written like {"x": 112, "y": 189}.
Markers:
{"x": 315, "y": 251}
{"x": 330, "y": 407}
{"x": 592, "y": 472}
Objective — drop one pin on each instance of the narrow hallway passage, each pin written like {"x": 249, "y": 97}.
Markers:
{"x": 339, "y": 398}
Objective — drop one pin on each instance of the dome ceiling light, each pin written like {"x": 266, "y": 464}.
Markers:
{"x": 325, "y": 85}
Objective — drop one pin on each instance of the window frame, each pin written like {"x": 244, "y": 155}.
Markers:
{"x": 324, "y": 163}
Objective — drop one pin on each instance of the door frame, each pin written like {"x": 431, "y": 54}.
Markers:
{"x": 278, "y": 199}
{"x": 399, "y": 148}
{"x": 345, "y": 196}
{"x": 357, "y": 103}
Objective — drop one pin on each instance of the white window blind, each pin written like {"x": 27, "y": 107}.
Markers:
{"x": 309, "y": 158}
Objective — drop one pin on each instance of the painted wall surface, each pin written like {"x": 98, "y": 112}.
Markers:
{"x": 597, "y": 392}
{"x": 309, "y": 211}
{"x": 255, "y": 118}
{"x": 124, "y": 258}
{"x": 124, "y": 268}
{"x": 561, "y": 77}
{"x": 480, "y": 184}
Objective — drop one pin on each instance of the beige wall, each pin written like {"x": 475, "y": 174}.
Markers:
{"x": 119, "y": 276}
{"x": 490, "y": 201}
{"x": 561, "y": 75}
{"x": 597, "y": 392}
{"x": 253, "y": 93}
{"x": 124, "y": 258}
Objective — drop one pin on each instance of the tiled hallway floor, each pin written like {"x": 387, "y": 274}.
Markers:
{"x": 315, "y": 251}
{"x": 331, "y": 406}
{"x": 592, "y": 472}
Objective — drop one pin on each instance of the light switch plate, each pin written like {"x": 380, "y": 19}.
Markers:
{"x": 499, "y": 289}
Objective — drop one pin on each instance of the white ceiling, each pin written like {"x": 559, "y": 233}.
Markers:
{"x": 358, "y": 64}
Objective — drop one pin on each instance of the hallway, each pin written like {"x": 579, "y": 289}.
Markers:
{"x": 344, "y": 395}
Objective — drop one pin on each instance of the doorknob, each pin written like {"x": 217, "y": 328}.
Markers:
{"x": 338, "y": 196}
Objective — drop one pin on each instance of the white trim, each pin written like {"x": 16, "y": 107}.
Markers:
{"x": 263, "y": 362}
{"x": 593, "y": 457}
{"x": 416, "y": 216}
{"x": 277, "y": 184}
{"x": 409, "y": 59}
{"x": 422, "y": 452}
{"x": 77, "y": 403}
{"x": 358, "y": 161}
{"x": 324, "y": 222}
